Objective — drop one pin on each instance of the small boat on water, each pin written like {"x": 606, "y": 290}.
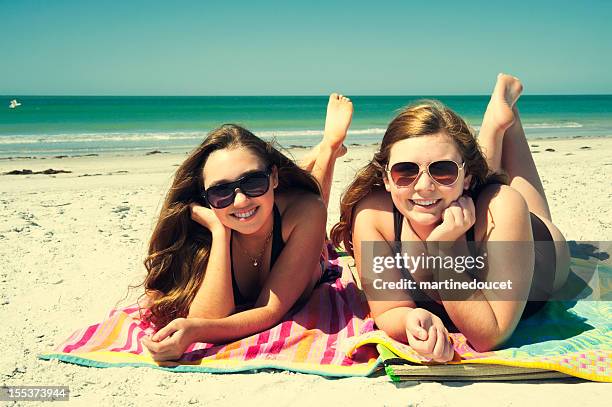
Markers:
{"x": 14, "y": 103}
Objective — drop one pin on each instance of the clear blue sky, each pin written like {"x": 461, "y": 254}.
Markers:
{"x": 312, "y": 47}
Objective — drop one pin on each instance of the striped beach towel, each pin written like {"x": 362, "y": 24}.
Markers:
{"x": 569, "y": 337}
{"x": 332, "y": 335}
{"x": 306, "y": 340}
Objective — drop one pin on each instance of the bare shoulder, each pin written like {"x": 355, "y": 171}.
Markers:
{"x": 300, "y": 206}
{"x": 498, "y": 198}
{"x": 374, "y": 213}
{"x": 498, "y": 206}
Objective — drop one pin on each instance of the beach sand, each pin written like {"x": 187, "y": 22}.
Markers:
{"x": 70, "y": 244}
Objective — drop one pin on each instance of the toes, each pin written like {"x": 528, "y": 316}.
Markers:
{"x": 339, "y": 97}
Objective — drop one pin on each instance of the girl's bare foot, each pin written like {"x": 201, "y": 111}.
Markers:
{"x": 337, "y": 122}
{"x": 499, "y": 111}
{"x": 498, "y": 118}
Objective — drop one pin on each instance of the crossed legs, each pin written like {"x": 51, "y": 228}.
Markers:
{"x": 505, "y": 147}
{"x": 321, "y": 160}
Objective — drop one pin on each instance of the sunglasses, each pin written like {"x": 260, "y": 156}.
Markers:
{"x": 444, "y": 172}
{"x": 252, "y": 185}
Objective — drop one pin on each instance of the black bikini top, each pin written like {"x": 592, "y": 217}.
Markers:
{"x": 277, "y": 248}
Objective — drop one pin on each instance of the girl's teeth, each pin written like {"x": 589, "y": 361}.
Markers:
{"x": 425, "y": 203}
{"x": 245, "y": 214}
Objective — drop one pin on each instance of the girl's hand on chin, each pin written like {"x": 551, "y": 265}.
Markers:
{"x": 205, "y": 217}
{"x": 456, "y": 220}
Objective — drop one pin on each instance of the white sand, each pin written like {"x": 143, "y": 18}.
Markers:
{"x": 70, "y": 245}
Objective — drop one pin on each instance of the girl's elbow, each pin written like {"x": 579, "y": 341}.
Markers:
{"x": 489, "y": 342}
{"x": 483, "y": 345}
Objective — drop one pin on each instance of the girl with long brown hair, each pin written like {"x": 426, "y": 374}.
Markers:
{"x": 240, "y": 236}
{"x": 430, "y": 183}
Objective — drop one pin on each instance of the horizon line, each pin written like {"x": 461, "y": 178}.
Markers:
{"x": 298, "y": 95}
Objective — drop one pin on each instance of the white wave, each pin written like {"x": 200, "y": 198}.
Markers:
{"x": 288, "y": 133}
{"x": 564, "y": 125}
{"x": 368, "y": 131}
{"x": 302, "y": 133}
{"x": 140, "y": 137}
{"x": 100, "y": 137}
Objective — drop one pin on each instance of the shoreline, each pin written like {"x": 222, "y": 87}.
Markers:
{"x": 290, "y": 148}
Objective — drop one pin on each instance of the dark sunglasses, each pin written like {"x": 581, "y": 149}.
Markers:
{"x": 252, "y": 185}
{"x": 444, "y": 172}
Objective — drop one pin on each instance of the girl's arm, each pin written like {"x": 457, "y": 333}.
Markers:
{"x": 398, "y": 316}
{"x": 215, "y": 297}
{"x": 389, "y": 316}
{"x": 288, "y": 280}
{"x": 485, "y": 321}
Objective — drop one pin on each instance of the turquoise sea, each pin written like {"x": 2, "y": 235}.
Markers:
{"x": 72, "y": 125}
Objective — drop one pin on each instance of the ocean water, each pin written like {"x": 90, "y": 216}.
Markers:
{"x": 73, "y": 125}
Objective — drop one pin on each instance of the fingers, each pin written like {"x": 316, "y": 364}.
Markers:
{"x": 432, "y": 338}
{"x": 468, "y": 209}
{"x": 194, "y": 206}
{"x": 154, "y": 346}
{"x": 417, "y": 331}
{"x": 440, "y": 348}
{"x": 449, "y": 214}
{"x": 162, "y": 334}
{"x": 461, "y": 213}
{"x": 443, "y": 350}
{"x": 436, "y": 345}
{"x": 166, "y": 331}
{"x": 418, "y": 323}
{"x": 202, "y": 215}
{"x": 424, "y": 348}
{"x": 449, "y": 351}
{"x": 470, "y": 204}
{"x": 192, "y": 210}
{"x": 157, "y": 350}
{"x": 161, "y": 351}
{"x": 425, "y": 320}
{"x": 458, "y": 215}
{"x": 149, "y": 344}
{"x": 417, "y": 345}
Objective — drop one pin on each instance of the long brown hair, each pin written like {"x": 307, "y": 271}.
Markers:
{"x": 179, "y": 247}
{"x": 423, "y": 118}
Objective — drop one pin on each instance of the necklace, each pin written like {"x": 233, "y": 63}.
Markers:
{"x": 257, "y": 259}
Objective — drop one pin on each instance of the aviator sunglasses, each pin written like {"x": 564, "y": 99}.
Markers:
{"x": 252, "y": 185}
{"x": 443, "y": 172}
